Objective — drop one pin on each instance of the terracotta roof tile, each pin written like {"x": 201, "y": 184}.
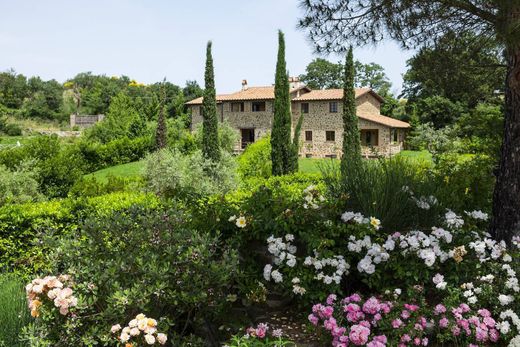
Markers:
{"x": 334, "y": 94}
{"x": 388, "y": 121}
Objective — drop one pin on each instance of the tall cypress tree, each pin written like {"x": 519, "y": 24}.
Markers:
{"x": 281, "y": 130}
{"x": 210, "y": 145}
{"x": 351, "y": 145}
{"x": 161, "y": 136}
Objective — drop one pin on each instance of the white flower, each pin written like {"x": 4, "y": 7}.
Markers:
{"x": 267, "y": 272}
{"x": 124, "y": 337}
{"x": 397, "y": 291}
{"x": 277, "y": 276}
{"x": 133, "y": 323}
{"x": 289, "y": 237}
{"x": 162, "y": 338}
{"x": 150, "y": 339}
{"x": 478, "y": 215}
{"x": 115, "y": 328}
{"x": 453, "y": 220}
{"x": 134, "y": 331}
{"x": 507, "y": 258}
{"x": 241, "y": 222}
{"x": 291, "y": 262}
{"x": 365, "y": 265}
{"x": 299, "y": 290}
{"x": 505, "y": 299}
{"x": 295, "y": 280}
{"x": 472, "y": 300}
{"x": 504, "y": 327}
{"x": 232, "y": 218}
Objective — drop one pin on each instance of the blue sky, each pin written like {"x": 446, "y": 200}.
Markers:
{"x": 149, "y": 40}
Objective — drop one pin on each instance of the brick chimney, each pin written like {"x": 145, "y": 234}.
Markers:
{"x": 244, "y": 84}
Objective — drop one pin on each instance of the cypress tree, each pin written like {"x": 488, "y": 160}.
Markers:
{"x": 351, "y": 145}
{"x": 210, "y": 145}
{"x": 161, "y": 138}
{"x": 281, "y": 129}
{"x": 295, "y": 146}
{"x": 160, "y": 134}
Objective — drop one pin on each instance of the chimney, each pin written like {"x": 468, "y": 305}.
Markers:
{"x": 294, "y": 82}
{"x": 244, "y": 84}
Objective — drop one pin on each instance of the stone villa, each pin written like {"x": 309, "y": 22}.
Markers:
{"x": 250, "y": 112}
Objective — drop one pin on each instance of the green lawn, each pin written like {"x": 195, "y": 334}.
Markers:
{"x": 129, "y": 170}
{"x": 307, "y": 165}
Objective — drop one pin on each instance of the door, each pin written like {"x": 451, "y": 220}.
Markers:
{"x": 248, "y": 136}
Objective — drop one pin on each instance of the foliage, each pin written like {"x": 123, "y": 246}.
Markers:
{"x": 439, "y": 111}
{"x": 261, "y": 336}
{"x": 122, "y": 120}
{"x": 323, "y": 74}
{"x": 139, "y": 261}
{"x": 281, "y": 129}
{"x": 295, "y": 146}
{"x": 89, "y": 186}
{"x": 381, "y": 188}
{"x": 426, "y": 137}
{"x": 22, "y": 226}
{"x": 18, "y": 186}
{"x": 464, "y": 68}
{"x": 10, "y": 129}
{"x": 171, "y": 174}
{"x": 227, "y": 137}
{"x": 210, "y": 144}
{"x": 351, "y": 143}
{"x": 161, "y": 135}
{"x": 13, "y": 310}
{"x": 481, "y": 129}
{"x": 255, "y": 161}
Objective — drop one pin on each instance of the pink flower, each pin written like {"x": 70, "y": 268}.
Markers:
{"x": 411, "y": 307}
{"x": 396, "y": 323}
{"x": 494, "y": 335}
{"x": 359, "y": 334}
{"x": 456, "y": 331}
{"x": 386, "y": 307}
{"x": 440, "y": 308}
{"x": 405, "y": 314}
{"x": 331, "y": 299}
{"x": 490, "y": 322}
{"x": 425, "y": 341}
{"x": 261, "y": 330}
{"x": 371, "y": 306}
{"x": 354, "y": 298}
{"x": 406, "y": 338}
{"x": 330, "y": 323}
{"x": 484, "y": 312}
{"x": 481, "y": 334}
{"x": 327, "y": 311}
{"x": 443, "y": 323}
{"x": 313, "y": 319}
{"x": 464, "y": 307}
{"x": 417, "y": 341}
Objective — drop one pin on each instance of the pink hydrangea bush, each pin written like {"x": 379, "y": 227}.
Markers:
{"x": 51, "y": 292}
{"x": 140, "y": 331}
{"x": 376, "y": 323}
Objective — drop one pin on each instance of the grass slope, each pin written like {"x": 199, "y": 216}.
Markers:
{"x": 307, "y": 165}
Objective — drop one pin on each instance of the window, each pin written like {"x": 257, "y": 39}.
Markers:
{"x": 248, "y": 136}
{"x": 237, "y": 107}
{"x": 333, "y": 107}
{"x": 395, "y": 137}
{"x": 201, "y": 111}
{"x": 370, "y": 137}
{"x": 258, "y": 106}
{"x": 305, "y": 107}
{"x": 308, "y": 135}
{"x": 330, "y": 135}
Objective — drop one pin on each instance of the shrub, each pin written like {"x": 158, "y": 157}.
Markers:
{"x": 227, "y": 137}
{"x": 23, "y": 226}
{"x": 255, "y": 161}
{"x": 18, "y": 186}
{"x": 88, "y": 187}
{"x": 13, "y": 310}
{"x": 426, "y": 137}
{"x": 388, "y": 188}
{"x": 173, "y": 175}
{"x": 136, "y": 261}
{"x": 12, "y": 129}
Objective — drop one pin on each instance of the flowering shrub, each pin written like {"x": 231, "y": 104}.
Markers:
{"x": 139, "y": 329}
{"x": 376, "y": 323}
{"x": 50, "y": 291}
{"x": 261, "y": 336}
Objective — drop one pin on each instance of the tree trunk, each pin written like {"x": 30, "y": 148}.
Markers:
{"x": 505, "y": 221}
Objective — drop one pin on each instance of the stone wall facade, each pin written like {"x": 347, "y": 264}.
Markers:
{"x": 85, "y": 121}
{"x": 318, "y": 121}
